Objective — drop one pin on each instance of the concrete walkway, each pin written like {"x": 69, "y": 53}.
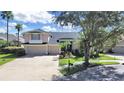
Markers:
{"x": 30, "y": 68}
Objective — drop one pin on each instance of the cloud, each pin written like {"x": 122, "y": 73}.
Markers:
{"x": 49, "y": 28}
{"x": 33, "y": 17}
{"x": 24, "y": 26}
{"x": 2, "y": 30}
{"x": 70, "y": 28}
{"x": 67, "y": 27}
{"x": 13, "y": 24}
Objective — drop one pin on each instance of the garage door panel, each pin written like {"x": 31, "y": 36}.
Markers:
{"x": 42, "y": 49}
{"x": 36, "y": 50}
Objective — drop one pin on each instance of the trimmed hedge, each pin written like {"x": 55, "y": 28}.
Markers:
{"x": 18, "y": 51}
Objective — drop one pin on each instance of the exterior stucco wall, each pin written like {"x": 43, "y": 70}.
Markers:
{"x": 45, "y": 37}
{"x": 54, "y": 49}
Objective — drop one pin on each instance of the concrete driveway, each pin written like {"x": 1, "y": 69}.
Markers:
{"x": 30, "y": 68}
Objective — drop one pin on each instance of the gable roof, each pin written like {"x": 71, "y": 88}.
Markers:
{"x": 35, "y": 31}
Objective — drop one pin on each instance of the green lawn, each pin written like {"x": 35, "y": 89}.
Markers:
{"x": 4, "y": 58}
{"x": 106, "y": 63}
{"x": 105, "y": 57}
{"x": 65, "y": 61}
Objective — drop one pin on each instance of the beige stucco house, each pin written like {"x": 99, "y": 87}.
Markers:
{"x": 39, "y": 42}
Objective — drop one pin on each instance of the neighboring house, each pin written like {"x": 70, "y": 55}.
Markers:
{"x": 11, "y": 37}
{"x": 119, "y": 48}
{"x": 39, "y": 42}
{"x": 2, "y": 38}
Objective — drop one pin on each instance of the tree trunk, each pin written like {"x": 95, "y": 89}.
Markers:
{"x": 7, "y": 32}
{"x": 97, "y": 52}
{"x": 18, "y": 38}
{"x": 86, "y": 52}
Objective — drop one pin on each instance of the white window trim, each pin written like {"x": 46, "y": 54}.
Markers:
{"x": 36, "y": 41}
{"x": 35, "y": 33}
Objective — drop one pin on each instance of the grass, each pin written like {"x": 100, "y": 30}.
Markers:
{"x": 4, "y": 58}
{"x": 105, "y": 57}
{"x": 65, "y": 61}
{"x": 106, "y": 63}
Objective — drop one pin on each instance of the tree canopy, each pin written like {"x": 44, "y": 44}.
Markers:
{"x": 96, "y": 26}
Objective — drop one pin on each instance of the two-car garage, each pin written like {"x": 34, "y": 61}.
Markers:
{"x": 44, "y": 49}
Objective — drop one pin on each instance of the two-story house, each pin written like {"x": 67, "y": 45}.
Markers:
{"x": 39, "y": 42}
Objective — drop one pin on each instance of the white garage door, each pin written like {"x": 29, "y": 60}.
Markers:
{"x": 36, "y": 49}
{"x": 42, "y": 49}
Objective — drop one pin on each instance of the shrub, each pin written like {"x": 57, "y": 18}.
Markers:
{"x": 71, "y": 70}
{"x": 78, "y": 53}
{"x": 14, "y": 43}
{"x": 65, "y": 54}
{"x": 2, "y": 43}
{"x": 18, "y": 51}
{"x": 62, "y": 54}
{"x": 110, "y": 51}
{"x": 76, "y": 68}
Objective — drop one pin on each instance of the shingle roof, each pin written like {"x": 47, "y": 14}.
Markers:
{"x": 11, "y": 37}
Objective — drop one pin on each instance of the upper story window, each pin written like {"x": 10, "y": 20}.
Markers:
{"x": 35, "y": 36}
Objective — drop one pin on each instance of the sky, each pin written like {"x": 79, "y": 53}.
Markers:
{"x": 34, "y": 20}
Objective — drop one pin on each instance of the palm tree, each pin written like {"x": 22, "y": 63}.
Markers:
{"x": 7, "y": 15}
{"x": 19, "y": 28}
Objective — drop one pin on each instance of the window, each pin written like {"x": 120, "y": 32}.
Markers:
{"x": 35, "y": 36}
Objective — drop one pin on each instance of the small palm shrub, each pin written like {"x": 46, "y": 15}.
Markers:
{"x": 65, "y": 54}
